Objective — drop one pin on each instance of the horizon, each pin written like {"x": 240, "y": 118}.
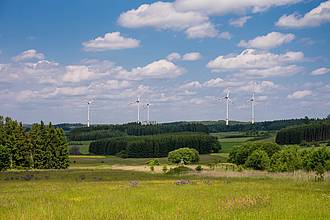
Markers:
{"x": 181, "y": 57}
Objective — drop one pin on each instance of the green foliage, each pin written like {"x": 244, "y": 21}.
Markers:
{"x": 312, "y": 132}
{"x": 153, "y": 162}
{"x": 41, "y": 147}
{"x": 240, "y": 154}
{"x": 288, "y": 159}
{"x": 4, "y": 158}
{"x": 258, "y": 160}
{"x": 184, "y": 155}
{"x": 315, "y": 157}
{"x": 179, "y": 170}
{"x": 133, "y": 129}
{"x": 199, "y": 168}
{"x": 153, "y": 145}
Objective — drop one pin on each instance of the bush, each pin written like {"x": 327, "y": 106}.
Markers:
{"x": 240, "y": 154}
{"x": 184, "y": 155}
{"x": 4, "y": 158}
{"x": 288, "y": 159}
{"x": 179, "y": 170}
{"x": 153, "y": 162}
{"x": 315, "y": 157}
{"x": 199, "y": 168}
{"x": 258, "y": 160}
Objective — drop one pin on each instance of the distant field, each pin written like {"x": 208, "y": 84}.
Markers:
{"x": 92, "y": 161}
{"x": 229, "y": 140}
{"x": 82, "y": 145}
{"x": 117, "y": 194}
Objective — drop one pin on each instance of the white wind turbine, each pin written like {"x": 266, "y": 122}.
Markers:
{"x": 252, "y": 100}
{"x": 228, "y": 99}
{"x": 147, "y": 106}
{"x": 138, "y": 108}
{"x": 88, "y": 112}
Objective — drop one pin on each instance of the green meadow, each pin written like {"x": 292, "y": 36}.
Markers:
{"x": 118, "y": 194}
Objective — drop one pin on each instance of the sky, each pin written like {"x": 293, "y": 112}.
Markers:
{"x": 180, "y": 56}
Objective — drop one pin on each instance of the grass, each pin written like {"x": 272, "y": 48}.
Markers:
{"x": 229, "y": 141}
{"x": 83, "y": 146}
{"x": 115, "y": 194}
{"x": 94, "y": 161}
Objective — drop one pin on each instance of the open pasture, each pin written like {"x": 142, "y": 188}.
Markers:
{"x": 118, "y": 194}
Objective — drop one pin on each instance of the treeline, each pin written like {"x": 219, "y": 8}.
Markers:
{"x": 220, "y": 126}
{"x": 304, "y": 133}
{"x": 42, "y": 147}
{"x": 272, "y": 157}
{"x": 132, "y": 129}
{"x": 155, "y": 145}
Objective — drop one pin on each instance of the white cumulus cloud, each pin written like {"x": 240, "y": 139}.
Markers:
{"x": 315, "y": 17}
{"x": 268, "y": 41}
{"x": 29, "y": 55}
{"x": 110, "y": 41}
{"x": 239, "y": 22}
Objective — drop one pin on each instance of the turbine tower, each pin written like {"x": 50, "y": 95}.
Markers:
{"x": 252, "y": 100}
{"x": 138, "y": 108}
{"x": 148, "y": 112}
{"x": 88, "y": 113}
{"x": 227, "y": 98}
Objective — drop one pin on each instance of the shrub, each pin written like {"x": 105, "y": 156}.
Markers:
{"x": 240, "y": 154}
{"x": 4, "y": 158}
{"x": 315, "y": 157}
{"x": 179, "y": 170}
{"x": 288, "y": 159}
{"x": 258, "y": 160}
{"x": 199, "y": 168}
{"x": 185, "y": 155}
{"x": 153, "y": 162}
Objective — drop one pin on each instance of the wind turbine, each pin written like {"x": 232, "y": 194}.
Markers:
{"x": 88, "y": 112}
{"x": 148, "y": 112}
{"x": 138, "y": 108}
{"x": 227, "y": 98}
{"x": 252, "y": 100}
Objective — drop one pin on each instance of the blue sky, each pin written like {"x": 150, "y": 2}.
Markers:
{"x": 181, "y": 56}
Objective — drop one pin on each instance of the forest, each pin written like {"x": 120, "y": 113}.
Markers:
{"x": 41, "y": 147}
{"x": 313, "y": 132}
{"x": 154, "y": 145}
{"x": 133, "y": 129}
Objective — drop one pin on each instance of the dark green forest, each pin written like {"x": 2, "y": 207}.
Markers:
{"x": 132, "y": 129}
{"x": 317, "y": 131}
{"x": 154, "y": 145}
{"x": 40, "y": 147}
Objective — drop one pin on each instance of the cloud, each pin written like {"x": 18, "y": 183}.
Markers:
{"x": 315, "y": 17}
{"x": 192, "y": 56}
{"x": 190, "y": 85}
{"x": 225, "y": 35}
{"x": 222, "y": 7}
{"x": 271, "y": 40}
{"x": 251, "y": 59}
{"x": 111, "y": 41}
{"x": 29, "y": 55}
{"x": 174, "y": 56}
{"x": 300, "y": 94}
{"x": 320, "y": 71}
{"x": 239, "y": 22}
{"x": 160, "y": 69}
{"x": 202, "y": 31}
{"x": 164, "y": 16}
{"x": 78, "y": 73}
{"x": 221, "y": 83}
{"x": 258, "y": 87}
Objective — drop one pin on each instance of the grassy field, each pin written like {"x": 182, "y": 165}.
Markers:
{"x": 117, "y": 194}
{"x": 82, "y": 145}
{"x": 229, "y": 140}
